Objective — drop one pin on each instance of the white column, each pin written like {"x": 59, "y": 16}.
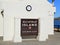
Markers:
{"x": 42, "y": 30}
{"x": 51, "y": 25}
{"x": 8, "y": 28}
{"x": 1, "y": 20}
{"x": 1, "y": 25}
{"x": 17, "y": 30}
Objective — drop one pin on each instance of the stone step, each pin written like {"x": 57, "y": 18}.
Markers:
{"x": 29, "y": 37}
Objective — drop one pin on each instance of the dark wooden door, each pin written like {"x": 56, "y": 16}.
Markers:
{"x": 29, "y": 27}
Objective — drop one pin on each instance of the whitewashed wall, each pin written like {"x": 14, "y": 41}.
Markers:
{"x": 40, "y": 9}
{"x": 1, "y": 21}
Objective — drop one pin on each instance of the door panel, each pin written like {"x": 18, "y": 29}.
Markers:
{"x": 29, "y": 27}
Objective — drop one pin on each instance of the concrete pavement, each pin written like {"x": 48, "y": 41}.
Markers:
{"x": 53, "y": 40}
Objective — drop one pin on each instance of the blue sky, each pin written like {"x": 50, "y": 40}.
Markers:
{"x": 57, "y": 5}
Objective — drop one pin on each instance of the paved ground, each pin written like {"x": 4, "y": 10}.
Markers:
{"x": 53, "y": 40}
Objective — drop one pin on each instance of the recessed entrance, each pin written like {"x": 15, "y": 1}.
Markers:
{"x": 29, "y": 28}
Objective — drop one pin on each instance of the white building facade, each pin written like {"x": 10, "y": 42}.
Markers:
{"x": 15, "y": 10}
